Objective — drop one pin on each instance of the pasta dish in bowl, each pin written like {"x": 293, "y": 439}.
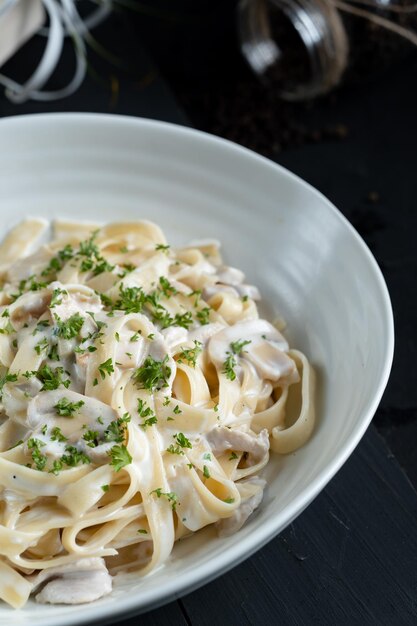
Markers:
{"x": 141, "y": 393}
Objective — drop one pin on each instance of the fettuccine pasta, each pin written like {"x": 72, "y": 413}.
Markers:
{"x": 140, "y": 397}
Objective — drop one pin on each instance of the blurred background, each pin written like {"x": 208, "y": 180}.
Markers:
{"x": 326, "y": 88}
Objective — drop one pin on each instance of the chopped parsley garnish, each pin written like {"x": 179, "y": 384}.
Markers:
{"x": 120, "y": 457}
{"x": 229, "y": 500}
{"x": 105, "y": 488}
{"x": 233, "y": 456}
{"x": 206, "y": 472}
{"x": 8, "y": 378}
{"x": 131, "y": 300}
{"x": 5, "y": 313}
{"x": 56, "y": 435}
{"x": 152, "y": 375}
{"x": 57, "y": 297}
{"x": 56, "y": 467}
{"x": 165, "y": 286}
{"x": 182, "y": 440}
{"x": 52, "y": 378}
{"x": 53, "y": 353}
{"x": 56, "y": 263}
{"x": 88, "y": 248}
{"x": 34, "y": 445}
{"x": 134, "y": 337}
{"x": 166, "y": 401}
{"x": 207, "y": 456}
{"x": 142, "y": 531}
{"x": 197, "y": 293}
{"x": 162, "y": 247}
{"x": 190, "y": 355}
{"x": 174, "y": 449}
{"x": 184, "y": 320}
{"x": 203, "y": 315}
{"x": 116, "y": 431}
{"x": 42, "y": 345}
{"x": 237, "y": 346}
{"x": 146, "y": 413}
{"x": 106, "y": 368}
{"x": 177, "y": 410}
{"x": 169, "y": 495}
{"x": 73, "y": 457}
{"x": 150, "y": 421}
{"x": 92, "y": 438}
{"x": 65, "y": 408}
{"x": 70, "y": 328}
{"x": 228, "y": 366}
{"x": 8, "y": 329}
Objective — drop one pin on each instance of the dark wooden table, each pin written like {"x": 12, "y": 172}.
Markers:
{"x": 351, "y": 557}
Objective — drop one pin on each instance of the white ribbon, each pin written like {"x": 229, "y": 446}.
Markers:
{"x": 64, "y": 20}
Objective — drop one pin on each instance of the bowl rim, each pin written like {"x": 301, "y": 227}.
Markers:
{"x": 232, "y": 556}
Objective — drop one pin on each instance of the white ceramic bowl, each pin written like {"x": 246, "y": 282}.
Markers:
{"x": 310, "y": 264}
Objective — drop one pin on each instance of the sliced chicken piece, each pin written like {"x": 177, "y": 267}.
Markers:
{"x": 230, "y": 275}
{"x": 83, "y": 581}
{"x": 204, "y": 333}
{"x": 43, "y": 405}
{"x": 32, "y": 265}
{"x": 174, "y": 335}
{"x": 251, "y": 491}
{"x": 222, "y": 438}
{"x": 265, "y": 348}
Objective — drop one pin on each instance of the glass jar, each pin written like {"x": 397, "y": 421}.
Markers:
{"x": 306, "y": 47}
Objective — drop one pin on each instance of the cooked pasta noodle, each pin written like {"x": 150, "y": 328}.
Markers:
{"x": 140, "y": 396}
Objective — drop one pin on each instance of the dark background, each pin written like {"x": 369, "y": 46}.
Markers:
{"x": 351, "y": 557}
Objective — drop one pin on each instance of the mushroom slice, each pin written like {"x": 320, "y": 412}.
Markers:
{"x": 222, "y": 438}
{"x": 251, "y": 491}
{"x": 83, "y": 581}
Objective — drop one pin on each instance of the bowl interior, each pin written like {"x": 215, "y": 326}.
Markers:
{"x": 310, "y": 265}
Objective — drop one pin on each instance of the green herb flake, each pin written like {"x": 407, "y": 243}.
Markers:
{"x": 65, "y": 408}
{"x": 71, "y": 327}
{"x": 152, "y": 375}
{"x": 120, "y": 457}
{"x": 174, "y": 449}
{"x": 203, "y": 316}
{"x": 229, "y": 365}
{"x": 73, "y": 457}
{"x": 206, "y": 472}
{"x": 169, "y": 495}
{"x": 105, "y": 488}
{"x": 237, "y": 346}
{"x": 57, "y": 297}
{"x": 106, "y": 368}
{"x": 182, "y": 440}
{"x": 52, "y": 378}
{"x": 165, "y": 286}
{"x": 43, "y": 345}
{"x": 190, "y": 355}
